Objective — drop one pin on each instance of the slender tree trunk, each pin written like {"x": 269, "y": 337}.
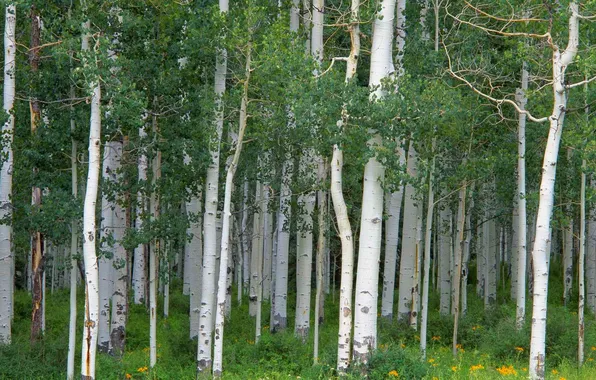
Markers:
{"x": 119, "y": 297}
{"x": 445, "y": 259}
{"x": 393, "y": 210}
{"x": 91, "y": 321}
{"x": 6, "y": 254}
{"x": 427, "y": 247}
{"x": 319, "y": 296}
{"x": 568, "y": 242}
{"x": 407, "y": 269}
{"x": 110, "y": 165}
{"x": 466, "y": 260}
{"x": 341, "y": 212}
{"x": 581, "y": 273}
{"x": 521, "y": 202}
{"x": 222, "y": 285}
{"x": 193, "y": 265}
{"x": 256, "y": 253}
{"x": 245, "y": 240}
{"x": 591, "y": 258}
{"x": 461, "y": 217}
{"x": 155, "y": 248}
{"x": 139, "y": 279}
{"x": 74, "y": 244}
{"x": 280, "y": 317}
{"x": 209, "y": 235}
{"x": 37, "y": 252}
{"x": 367, "y": 280}
{"x": 547, "y": 190}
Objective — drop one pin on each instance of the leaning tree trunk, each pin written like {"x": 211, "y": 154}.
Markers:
{"x": 369, "y": 250}
{"x": 6, "y": 257}
{"x": 547, "y": 191}
{"x": 226, "y": 228}
{"x": 91, "y": 320}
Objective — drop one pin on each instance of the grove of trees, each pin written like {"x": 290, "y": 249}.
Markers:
{"x": 432, "y": 162}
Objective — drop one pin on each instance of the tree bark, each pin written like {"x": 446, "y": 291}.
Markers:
{"x": 6, "y": 254}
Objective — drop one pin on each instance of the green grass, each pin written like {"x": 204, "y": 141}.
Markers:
{"x": 488, "y": 340}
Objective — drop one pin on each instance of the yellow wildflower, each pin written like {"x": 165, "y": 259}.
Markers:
{"x": 590, "y": 359}
{"x": 435, "y": 378}
{"x": 393, "y": 373}
{"x": 524, "y": 369}
{"x": 476, "y": 367}
{"x": 555, "y": 372}
{"x": 593, "y": 348}
{"x": 454, "y": 368}
{"x": 435, "y": 338}
{"x": 562, "y": 378}
{"x": 519, "y": 349}
{"x": 128, "y": 376}
{"x": 477, "y": 327}
{"x": 265, "y": 327}
{"x": 431, "y": 360}
{"x": 142, "y": 369}
{"x": 403, "y": 345}
{"x": 507, "y": 370}
{"x": 460, "y": 347}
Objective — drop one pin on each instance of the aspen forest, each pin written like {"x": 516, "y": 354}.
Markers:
{"x": 298, "y": 189}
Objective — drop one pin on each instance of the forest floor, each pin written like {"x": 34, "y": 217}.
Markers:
{"x": 490, "y": 347}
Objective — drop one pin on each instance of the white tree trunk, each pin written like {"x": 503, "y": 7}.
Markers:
{"x": 408, "y": 262}
{"x": 341, "y": 213}
{"x": 445, "y": 259}
{"x": 154, "y": 249}
{"x": 393, "y": 210}
{"x": 120, "y": 270}
{"x": 304, "y": 239}
{"x": 267, "y": 241}
{"x": 139, "y": 279}
{"x": 580, "y": 264}
{"x": 515, "y": 245}
{"x": 461, "y": 216}
{"x": 6, "y": 255}
{"x": 427, "y": 247}
{"x": 195, "y": 256}
{"x": 245, "y": 238}
{"x": 91, "y": 320}
{"x": 256, "y": 253}
{"x": 208, "y": 290}
{"x": 222, "y": 285}
{"x": 547, "y": 190}
{"x": 466, "y": 258}
{"x": 367, "y": 280}
{"x": 110, "y": 164}
{"x": 521, "y": 203}
{"x": 489, "y": 235}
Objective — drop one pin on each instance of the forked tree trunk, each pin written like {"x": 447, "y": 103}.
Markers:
{"x": 6, "y": 257}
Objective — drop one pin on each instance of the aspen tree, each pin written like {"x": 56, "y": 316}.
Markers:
{"x": 206, "y": 314}
{"x": 139, "y": 279}
{"x": 280, "y": 318}
{"x": 6, "y": 254}
{"x": 341, "y": 211}
{"x": 226, "y": 229}
{"x": 91, "y": 320}
{"x": 369, "y": 250}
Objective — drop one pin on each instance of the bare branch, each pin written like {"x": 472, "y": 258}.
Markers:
{"x": 486, "y": 96}
{"x": 331, "y": 65}
{"x": 508, "y": 20}
{"x": 586, "y": 81}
